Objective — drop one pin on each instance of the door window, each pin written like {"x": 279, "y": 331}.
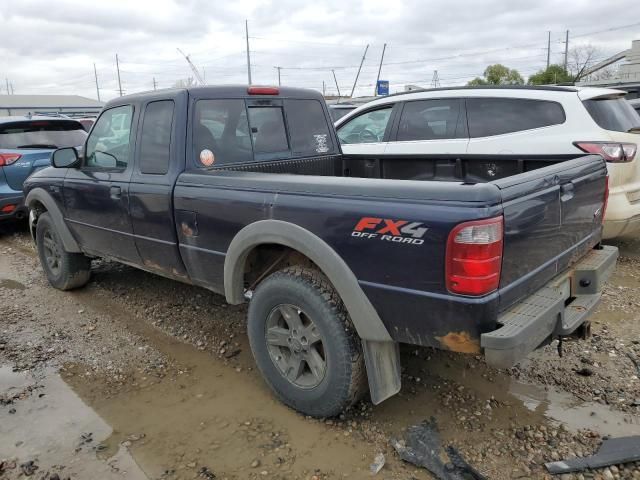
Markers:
{"x": 431, "y": 120}
{"x": 155, "y": 141}
{"x": 496, "y": 116}
{"x": 108, "y": 143}
{"x": 366, "y": 128}
{"x": 221, "y": 133}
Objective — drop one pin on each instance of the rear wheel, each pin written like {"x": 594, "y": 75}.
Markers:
{"x": 64, "y": 270}
{"x": 304, "y": 344}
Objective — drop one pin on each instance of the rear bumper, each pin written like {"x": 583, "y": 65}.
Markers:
{"x": 622, "y": 218}
{"x": 558, "y": 309}
{"x": 12, "y": 199}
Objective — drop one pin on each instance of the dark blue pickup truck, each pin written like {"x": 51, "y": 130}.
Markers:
{"x": 244, "y": 191}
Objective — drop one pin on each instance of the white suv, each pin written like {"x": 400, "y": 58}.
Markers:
{"x": 494, "y": 123}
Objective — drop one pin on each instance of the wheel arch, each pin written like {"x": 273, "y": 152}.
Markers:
{"x": 364, "y": 316}
{"x": 39, "y": 201}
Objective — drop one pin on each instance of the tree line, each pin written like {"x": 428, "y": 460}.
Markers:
{"x": 579, "y": 60}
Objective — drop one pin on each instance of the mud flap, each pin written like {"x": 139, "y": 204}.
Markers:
{"x": 382, "y": 360}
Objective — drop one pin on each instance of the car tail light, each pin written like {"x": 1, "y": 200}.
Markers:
{"x": 263, "y": 91}
{"x": 8, "y": 208}
{"x": 8, "y": 158}
{"x": 611, "y": 151}
{"x": 474, "y": 257}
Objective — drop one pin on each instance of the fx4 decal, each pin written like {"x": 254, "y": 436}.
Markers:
{"x": 385, "y": 229}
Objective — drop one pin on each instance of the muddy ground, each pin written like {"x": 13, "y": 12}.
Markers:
{"x": 140, "y": 377}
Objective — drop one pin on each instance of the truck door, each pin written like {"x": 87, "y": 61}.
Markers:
{"x": 96, "y": 195}
{"x": 159, "y": 161}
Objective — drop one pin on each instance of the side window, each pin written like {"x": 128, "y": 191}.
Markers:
{"x": 496, "y": 116}
{"x": 221, "y": 127}
{"x": 108, "y": 144}
{"x": 431, "y": 120}
{"x": 366, "y": 128}
{"x": 156, "y": 137}
{"x": 308, "y": 127}
{"x": 267, "y": 130}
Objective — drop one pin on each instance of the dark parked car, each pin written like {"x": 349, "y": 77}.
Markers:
{"x": 339, "y": 110}
{"x": 635, "y": 103}
{"x": 26, "y": 144}
{"x": 245, "y": 192}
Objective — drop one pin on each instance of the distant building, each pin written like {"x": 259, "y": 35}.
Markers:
{"x": 627, "y": 76}
{"x": 72, "y": 105}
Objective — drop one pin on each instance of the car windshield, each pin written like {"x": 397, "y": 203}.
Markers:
{"x": 41, "y": 134}
{"x": 614, "y": 114}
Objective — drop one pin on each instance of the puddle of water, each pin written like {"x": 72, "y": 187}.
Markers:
{"x": 47, "y": 427}
{"x": 11, "y": 284}
{"x": 564, "y": 408}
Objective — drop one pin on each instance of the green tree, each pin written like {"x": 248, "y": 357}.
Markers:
{"x": 498, "y": 75}
{"x": 552, "y": 74}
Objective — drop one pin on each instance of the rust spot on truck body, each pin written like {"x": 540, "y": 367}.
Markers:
{"x": 461, "y": 342}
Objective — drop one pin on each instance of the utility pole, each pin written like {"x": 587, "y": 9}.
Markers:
{"x": 8, "y": 91}
{"x": 278, "y": 68}
{"x": 359, "y": 68}
{"x": 246, "y": 31}
{"x": 118, "y": 69}
{"x": 323, "y": 88}
{"x": 548, "y": 47}
{"x": 337, "y": 87}
{"x": 95, "y": 73}
{"x": 566, "y": 50}
{"x": 12, "y": 88}
{"x": 375, "y": 89}
{"x": 154, "y": 83}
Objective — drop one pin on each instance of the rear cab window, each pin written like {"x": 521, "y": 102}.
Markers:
{"x": 155, "y": 143}
{"x": 235, "y": 131}
{"x": 42, "y": 134}
{"x": 615, "y": 114}
{"x": 497, "y": 116}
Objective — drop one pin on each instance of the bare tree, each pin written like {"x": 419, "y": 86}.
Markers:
{"x": 580, "y": 59}
{"x": 185, "y": 82}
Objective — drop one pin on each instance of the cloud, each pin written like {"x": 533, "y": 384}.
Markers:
{"x": 51, "y": 47}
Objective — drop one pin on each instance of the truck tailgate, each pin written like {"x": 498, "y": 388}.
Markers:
{"x": 552, "y": 217}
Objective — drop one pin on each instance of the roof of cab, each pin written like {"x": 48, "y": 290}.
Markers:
{"x": 218, "y": 91}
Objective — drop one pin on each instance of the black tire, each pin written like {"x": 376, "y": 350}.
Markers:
{"x": 64, "y": 270}
{"x": 318, "y": 392}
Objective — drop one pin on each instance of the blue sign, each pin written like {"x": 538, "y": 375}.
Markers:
{"x": 383, "y": 87}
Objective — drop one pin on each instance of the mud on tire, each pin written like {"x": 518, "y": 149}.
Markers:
{"x": 304, "y": 343}
{"x": 64, "y": 270}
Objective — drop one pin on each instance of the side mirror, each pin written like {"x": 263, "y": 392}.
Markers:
{"x": 65, "y": 158}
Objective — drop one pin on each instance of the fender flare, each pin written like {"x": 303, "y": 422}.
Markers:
{"x": 365, "y": 319}
{"x": 42, "y": 196}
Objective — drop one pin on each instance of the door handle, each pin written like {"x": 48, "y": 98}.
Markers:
{"x": 116, "y": 193}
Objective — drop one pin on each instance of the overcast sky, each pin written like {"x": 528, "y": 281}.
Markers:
{"x": 50, "y": 47}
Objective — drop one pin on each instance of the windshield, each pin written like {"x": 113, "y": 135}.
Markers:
{"x": 41, "y": 134}
{"x": 614, "y": 114}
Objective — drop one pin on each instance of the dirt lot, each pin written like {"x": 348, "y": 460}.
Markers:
{"x": 140, "y": 377}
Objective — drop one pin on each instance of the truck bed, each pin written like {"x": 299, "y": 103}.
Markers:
{"x": 550, "y": 221}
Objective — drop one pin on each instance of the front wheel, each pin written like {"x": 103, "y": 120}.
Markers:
{"x": 64, "y": 270}
{"x": 304, "y": 344}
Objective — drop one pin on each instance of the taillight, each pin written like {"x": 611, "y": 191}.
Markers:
{"x": 263, "y": 90}
{"x": 8, "y": 158}
{"x": 474, "y": 257}
{"x": 611, "y": 151}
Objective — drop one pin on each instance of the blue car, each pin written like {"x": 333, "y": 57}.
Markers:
{"x": 26, "y": 144}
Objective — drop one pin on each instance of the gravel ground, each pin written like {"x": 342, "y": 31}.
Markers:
{"x": 163, "y": 377}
